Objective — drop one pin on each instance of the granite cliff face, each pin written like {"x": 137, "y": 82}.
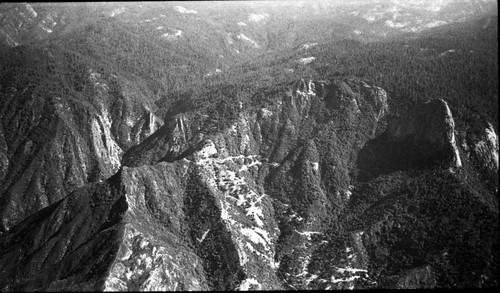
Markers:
{"x": 421, "y": 137}
{"x": 487, "y": 149}
{"x": 483, "y": 148}
{"x": 432, "y": 128}
{"x": 281, "y": 199}
{"x": 50, "y": 144}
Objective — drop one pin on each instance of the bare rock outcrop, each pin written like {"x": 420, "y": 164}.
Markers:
{"x": 431, "y": 126}
{"x": 486, "y": 149}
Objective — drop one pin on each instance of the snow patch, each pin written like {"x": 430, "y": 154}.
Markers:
{"x": 185, "y": 10}
{"x": 229, "y": 39}
{"x": 216, "y": 71}
{"x": 350, "y": 270}
{"x": 372, "y": 16}
{"x": 308, "y": 234}
{"x": 234, "y": 185}
{"x": 308, "y": 46}
{"x": 237, "y": 200}
{"x": 31, "y": 10}
{"x": 241, "y": 23}
{"x": 207, "y": 151}
{"x": 200, "y": 240}
{"x": 170, "y": 36}
{"x": 224, "y": 215}
{"x": 306, "y": 89}
{"x": 393, "y": 24}
{"x": 306, "y": 60}
{"x": 315, "y": 166}
{"x": 266, "y": 113}
{"x": 250, "y": 284}
{"x": 311, "y": 278}
{"x": 254, "y": 163}
{"x": 294, "y": 215}
{"x": 435, "y": 23}
{"x": 257, "y": 17}
{"x": 413, "y": 29}
{"x": 256, "y": 235}
{"x": 245, "y": 38}
{"x": 348, "y": 193}
{"x": 256, "y": 212}
{"x": 117, "y": 11}
{"x": 350, "y": 279}
{"x": 447, "y": 52}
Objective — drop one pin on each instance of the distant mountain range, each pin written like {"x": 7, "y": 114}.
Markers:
{"x": 365, "y": 20}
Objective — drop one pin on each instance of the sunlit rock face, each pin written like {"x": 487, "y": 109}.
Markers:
{"x": 155, "y": 253}
{"x": 51, "y": 145}
{"x": 480, "y": 146}
{"x": 487, "y": 149}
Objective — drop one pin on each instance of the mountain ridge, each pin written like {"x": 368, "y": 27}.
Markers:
{"x": 138, "y": 154}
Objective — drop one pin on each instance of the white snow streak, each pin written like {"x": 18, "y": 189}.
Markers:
{"x": 257, "y": 17}
{"x": 306, "y": 60}
{"x": 245, "y": 38}
{"x": 185, "y": 10}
